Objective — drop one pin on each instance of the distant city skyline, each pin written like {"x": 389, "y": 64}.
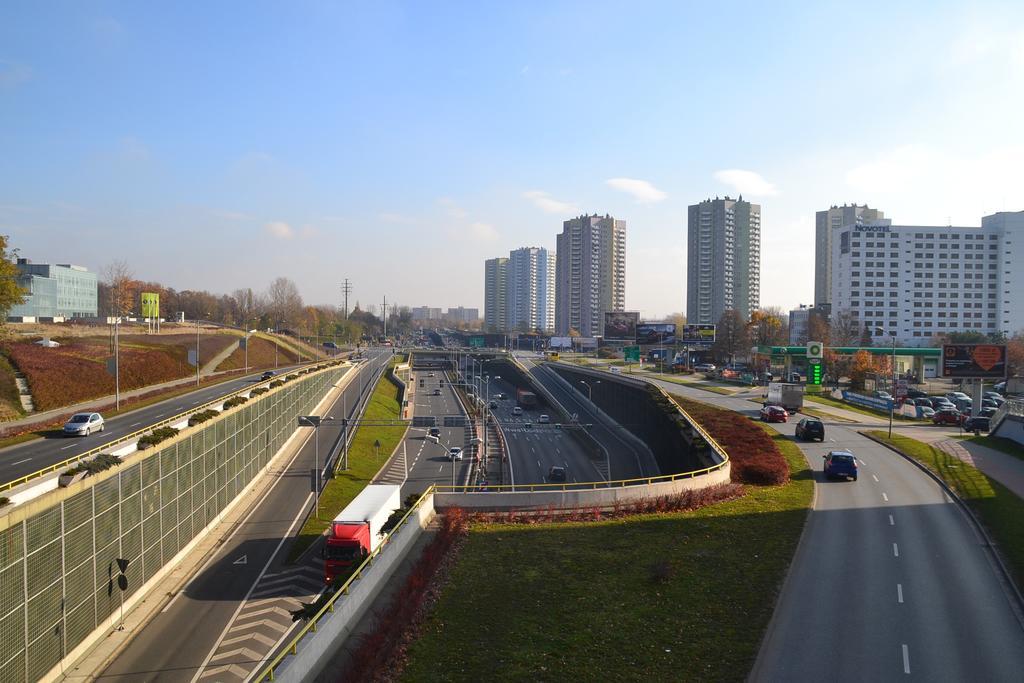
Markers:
{"x": 318, "y": 142}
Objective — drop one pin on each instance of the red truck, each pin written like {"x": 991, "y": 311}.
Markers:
{"x": 526, "y": 399}
{"x": 356, "y": 531}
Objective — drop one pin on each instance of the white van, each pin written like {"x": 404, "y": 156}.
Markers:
{"x": 615, "y": 368}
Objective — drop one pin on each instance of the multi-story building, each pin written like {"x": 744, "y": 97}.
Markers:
{"x": 463, "y": 315}
{"x": 723, "y": 269}
{"x": 55, "y": 291}
{"x": 917, "y": 282}
{"x": 590, "y": 273}
{"x": 423, "y": 313}
{"x": 824, "y": 223}
{"x": 799, "y": 320}
{"x": 531, "y": 290}
{"x": 496, "y": 294}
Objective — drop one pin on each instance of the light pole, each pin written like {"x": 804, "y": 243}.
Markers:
{"x": 314, "y": 421}
{"x": 590, "y": 389}
{"x": 892, "y": 400}
{"x": 197, "y": 350}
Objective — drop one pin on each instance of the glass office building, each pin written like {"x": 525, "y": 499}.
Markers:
{"x": 55, "y": 291}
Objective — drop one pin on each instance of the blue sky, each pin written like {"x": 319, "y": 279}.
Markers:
{"x": 220, "y": 145}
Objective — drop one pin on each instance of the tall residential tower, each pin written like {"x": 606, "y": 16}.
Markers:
{"x": 723, "y": 260}
{"x": 824, "y": 223}
{"x": 531, "y": 290}
{"x": 496, "y": 294}
{"x": 590, "y": 273}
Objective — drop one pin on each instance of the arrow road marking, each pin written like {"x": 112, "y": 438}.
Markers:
{"x": 244, "y": 559}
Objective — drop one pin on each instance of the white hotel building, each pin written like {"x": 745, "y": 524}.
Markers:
{"x": 920, "y": 281}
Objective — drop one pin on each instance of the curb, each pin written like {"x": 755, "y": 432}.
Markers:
{"x": 976, "y": 523}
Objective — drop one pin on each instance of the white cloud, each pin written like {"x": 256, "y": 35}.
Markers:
{"x": 746, "y": 182}
{"x": 547, "y": 203}
{"x": 483, "y": 232}
{"x": 12, "y": 73}
{"x": 452, "y": 207}
{"x": 642, "y": 191}
{"x": 280, "y": 230}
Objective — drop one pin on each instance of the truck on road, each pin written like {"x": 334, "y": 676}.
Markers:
{"x": 789, "y": 396}
{"x": 526, "y": 399}
{"x": 356, "y": 531}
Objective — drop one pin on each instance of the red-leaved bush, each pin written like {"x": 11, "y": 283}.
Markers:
{"x": 754, "y": 456}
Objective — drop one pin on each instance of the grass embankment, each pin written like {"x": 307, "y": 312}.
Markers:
{"x": 363, "y": 462}
{"x": 697, "y": 385}
{"x": 998, "y": 443}
{"x": 828, "y": 400}
{"x": 675, "y": 596}
{"x": 998, "y": 508}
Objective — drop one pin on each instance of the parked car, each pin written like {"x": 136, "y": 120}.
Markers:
{"x": 987, "y": 412}
{"x": 883, "y": 395}
{"x": 946, "y": 416}
{"x": 994, "y": 395}
{"x": 927, "y": 412}
{"x": 940, "y": 402}
{"x": 916, "y": 393}
{"x": 810, "y": 428}
{"x": 840, "y": 464}
{"x": 976, "y": 424}
{"x": 774, "y": 414}
{"x": 267, "y": 375}
{"x": 543, "y": 419}
{"x": 84, "y": 424}
{"x": 556, "y": 475}
{"x": 954, "y": 395}
{"x": 704, "y": 367}
{"x": 455, "y": 453}
{"x": 964, "y": 406}
{"x": 988, "y": 403}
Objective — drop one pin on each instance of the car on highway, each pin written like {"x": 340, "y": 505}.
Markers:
{"x": 517, "y": 411}
{"x": 434, "y": 431}
{"x": 500, "y": 396}
{"x": 840, "y": 464}
{"x": 437, "y": 392}
{"x": 543, "y": 419}
{"x": 83, "y": 424}
{"x": 774, "y": 414}
{"x": 976, "y": 424}
{"x": 492, "y": 405}
{"x": 557, "y": 475}
{"x": 455, "y": 453}
{"x": 946, "y": 416}
{"x": 269, "y": 374}
{"x": 810, "y": 428}
{"x": 704, "y": 367}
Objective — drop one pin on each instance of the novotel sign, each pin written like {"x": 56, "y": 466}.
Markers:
{"x": 872, "y": 228}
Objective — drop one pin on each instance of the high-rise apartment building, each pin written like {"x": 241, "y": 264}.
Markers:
{"x": 723, "y": 260}
{"x": 917, "y": 282}
{"x": 824, "y": 223}
{"x": 590, "y": 273}
{"x": 531, "y": 290}
{"x": 496, "y": 294}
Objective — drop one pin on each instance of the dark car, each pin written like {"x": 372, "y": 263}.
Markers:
{"x": 556, "y": 475}
{"x": 267, "y": 375}
{"x": 774, "y": 414}
{"x": 976, "y": 424}
{"x": 989, "y": 403}
{"x": 810, "y": 428}
{"x": 946, "y": 416}
{"x": 987, "y": 412}
{"x": 840, "y": 464}
{"x": 434, "y": 431}
{"x": 916, "y": 393}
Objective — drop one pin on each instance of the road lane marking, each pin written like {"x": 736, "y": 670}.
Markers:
{"x": 135, "y": 424}
{"x": 899, "y": 593}
{"x": 874, "y": 477}
{"x": 892, "y": 522}
{"x": 885, "y": 497}
{"x": 21, "y": 461}
{"x": 895, "y": 550}
{"x": 906, "y": 659}
{"x": 70, "y": 445}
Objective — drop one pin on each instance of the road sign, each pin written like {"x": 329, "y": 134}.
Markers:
{"x": 815, "y": 349}
{"x": 814, "y": 372}
{"x": 454, "y": 421}
{"x": 631, "y": 353}
{"x": 192, "y": 357}
{"x": 477, "y": 342}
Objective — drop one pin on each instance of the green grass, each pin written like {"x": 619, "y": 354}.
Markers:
{"x": 828, "y": 400}
{"x": 823, "y": 415}
{"x": 582, "y": 601}
{"x": 695, "y": 384}
{"x": 363, "y": 463}
{"x": 998, "y": 508}
{"x": 998, "y": 443}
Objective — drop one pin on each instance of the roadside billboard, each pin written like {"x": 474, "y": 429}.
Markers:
{"x": 698, "y": 334}
{"x": 656, "y": 333}
{"x": 620, "y": 325}
{"x": 150, "y": 305}
{"x": 586, "y": 343}
{"x": 977, "y": 361}
{"x": 560, "y": 343}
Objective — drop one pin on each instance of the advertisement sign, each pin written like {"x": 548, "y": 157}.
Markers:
{"x": 814, "y": 372}
{"x": 631, "y": 353}
{"x": 586, "y": 343}
{"x": 815, "y": 349}
{"x": 867, "y": 401}
{"x": 560, "y": 343}
{"x": 620, "y": 325}
{"x": 976, "y": 361}
{"x": 150, "y": 305}
{"x": 698, "y": 334}
{"x": 656, "y": 333}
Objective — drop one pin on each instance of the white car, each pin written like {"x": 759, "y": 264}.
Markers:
{"x": 517, "y": 411}
{"x": 83, "y": 424}
{"x": 543, "y": 419}
{"x": 704, "y": 367}
{"x": 455, "y": 453}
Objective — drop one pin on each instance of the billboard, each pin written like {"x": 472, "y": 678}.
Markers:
{"x": 150, "y": 305}
{"x": 620, "y": 325}
{"x": 586, "y": 343}
{"x": 698, "y": 334}
{"x": 560, "y": 343}
{"x": 978, "y": 361}
{"x": 656, "y": 333}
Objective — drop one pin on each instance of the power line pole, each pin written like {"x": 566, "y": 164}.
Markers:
{"x": 384, "y": 315}
{"x": 346, "y": 289}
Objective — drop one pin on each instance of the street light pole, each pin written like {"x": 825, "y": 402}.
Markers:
{"x": 892, "y": 404}
{"x": 197, "y": 350}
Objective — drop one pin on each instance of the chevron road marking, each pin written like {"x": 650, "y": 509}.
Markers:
{"x": 259, "y": 637}
{"x": 246, "y": 652}
{"x": 273, "y": 625}
{"x": 233, "y": 669}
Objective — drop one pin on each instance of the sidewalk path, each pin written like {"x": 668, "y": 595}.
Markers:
{"x": 211, "y": 365}
{"x": 1004, "y": 468}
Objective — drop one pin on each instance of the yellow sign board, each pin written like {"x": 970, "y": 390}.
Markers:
{"x": 150, "y": 305}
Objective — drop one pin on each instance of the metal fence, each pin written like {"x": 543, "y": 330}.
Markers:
{"x": 58, "y": 569}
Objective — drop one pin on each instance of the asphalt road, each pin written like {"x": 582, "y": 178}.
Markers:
{"x": 890, "y": 581}
{"x": 24, "y": 459}
{"x": 180, "y": 642}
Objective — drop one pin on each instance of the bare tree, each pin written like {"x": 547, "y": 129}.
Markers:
{"x": 845, "y": 328}
{"x": 284, "y": 303}
{"x": 119, "y": 280}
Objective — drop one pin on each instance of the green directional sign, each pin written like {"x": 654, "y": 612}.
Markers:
{"x": 476, "y": 342}
{"x": 631, "y": 353}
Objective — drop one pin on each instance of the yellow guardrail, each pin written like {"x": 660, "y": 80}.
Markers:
{"x": 7, "y": 486}
{"x": 292, "y": 647}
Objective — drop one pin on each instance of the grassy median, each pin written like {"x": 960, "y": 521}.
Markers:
{"x": 998, "y": 508}
{"x": 675, "y": 596}
{"x": 363, "y": 458}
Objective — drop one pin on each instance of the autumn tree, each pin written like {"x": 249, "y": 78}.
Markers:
{"x": 730, "y": 336}
{"x": 119, "y": 286}
{"x": 765, "y": 327}
{"x": 1015, "y": 354}
{"x": 861, "y": 366}
{"x": 845, "y": 329}
{"x": 11, "y": 293}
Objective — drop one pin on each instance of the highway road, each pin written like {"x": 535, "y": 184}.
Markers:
{"x": 23, "y": 459}
{"x": 237, "y": 606}
{"x": 890, "y": 581}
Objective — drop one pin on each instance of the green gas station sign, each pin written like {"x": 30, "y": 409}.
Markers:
{"x": 814, "y": 372}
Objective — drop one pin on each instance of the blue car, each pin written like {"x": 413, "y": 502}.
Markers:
{"x": 840, "y": 464}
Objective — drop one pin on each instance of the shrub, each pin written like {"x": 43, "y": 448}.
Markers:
{"x": 276, "y": 383}
{"x": 156, "y": 436}
{"x": 103, "y": 461}
{"x": 289, "y": 378}
{"x": 258, "y": 391}
{"x": 234, "y": 401}
{"x": 204, "y": 416}
{"x": 4, "y": 500}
